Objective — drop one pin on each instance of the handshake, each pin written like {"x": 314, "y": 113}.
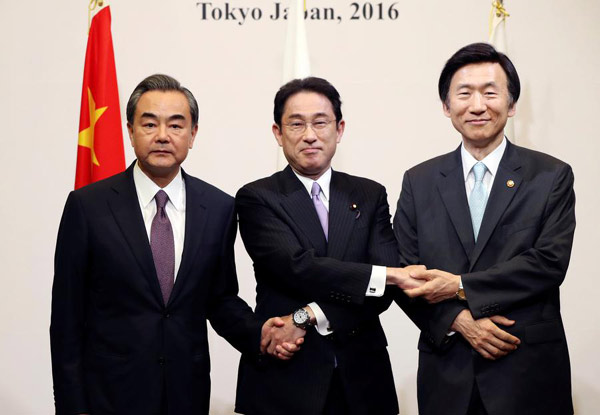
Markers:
{"x": 281, "y": 338}
{"x": 417, "y": 281}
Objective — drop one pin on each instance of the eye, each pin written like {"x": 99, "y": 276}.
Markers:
{"x": 149, "y": 125}
{"x": 176, "y": 126}
{"x": 320, "y": 124}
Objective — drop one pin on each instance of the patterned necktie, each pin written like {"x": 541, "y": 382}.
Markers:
{"x": 478, "y": 198}
{"x": 320, "y": 207}
{"x": 163, "y": 246}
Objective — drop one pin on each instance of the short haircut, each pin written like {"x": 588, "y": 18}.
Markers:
{"x": 310, "y": 84}
{"x": 479, "y": 53}
{"x": 159, "y": 82}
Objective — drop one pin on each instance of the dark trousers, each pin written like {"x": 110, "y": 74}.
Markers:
{"x": 336, "y": 402}
{"x": 476, "y": 405}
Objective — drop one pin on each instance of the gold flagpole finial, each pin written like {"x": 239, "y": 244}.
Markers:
{"x": 499, "y": 11}
{"x": 498, "y": 6}
{"x": 92, "y": 6}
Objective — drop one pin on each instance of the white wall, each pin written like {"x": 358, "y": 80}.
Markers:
{"x": 386, "y": 72}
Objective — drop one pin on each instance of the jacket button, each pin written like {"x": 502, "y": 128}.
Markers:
{"x": 161, "y": 360}
{"x": 167, "y": 315}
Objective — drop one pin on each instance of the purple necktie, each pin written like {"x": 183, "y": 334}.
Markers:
{"x": 163, "y": 246}
{"x": 320, "y": 207}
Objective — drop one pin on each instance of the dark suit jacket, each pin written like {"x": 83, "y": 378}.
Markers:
{"x": 294, "y": 265}
{"x": 515, "y": 270}
{"x": 116, "y": 347}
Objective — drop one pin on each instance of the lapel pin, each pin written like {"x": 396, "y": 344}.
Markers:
{"x": 510, "y": 183}
{"x": 354, "y": 207}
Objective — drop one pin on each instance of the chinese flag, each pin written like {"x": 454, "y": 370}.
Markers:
{"x": 100, "y": 145}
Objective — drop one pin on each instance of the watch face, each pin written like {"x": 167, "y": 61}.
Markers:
{"x": 300, "y": 316}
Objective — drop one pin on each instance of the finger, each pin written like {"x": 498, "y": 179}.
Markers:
{"x": 299, "y": 341}
{"x": 271, "y": 348}
{"x": 411, "y": 283}
{"x": 420, "y": 274}
{"x": 502, "y": 320}
{"x": 277, "y": 322}
{"x": 264, "y": 343}
{"x": 281, "y": 350}
{"x": 282, "y": 357}
{"x": 500, "y": 344}
{"x": 493, "y": 351}
{"x": 416, "y": 292}
{"x": 507, "y": 337}
{"x": 484, "y": 353}
{"x": 288, "y": 347}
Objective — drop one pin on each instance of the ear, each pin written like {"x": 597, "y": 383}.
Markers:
{"x": 446, "y": 109}
{"x": 341, "y": 126}
{"x": 277, "y": 133}
{"x": 512, "y": 110}
{"x": 130, "y": 131}
{"x": 194, "y": 132}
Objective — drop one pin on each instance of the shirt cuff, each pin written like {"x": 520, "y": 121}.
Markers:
{"x": 322, "y": 325}
{"x": 376, "y": 286}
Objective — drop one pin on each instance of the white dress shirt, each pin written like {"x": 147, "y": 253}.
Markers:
{"x": 491, "y": 161}
{"x": 146, "y": 190}
{"x": 376, "y": 286}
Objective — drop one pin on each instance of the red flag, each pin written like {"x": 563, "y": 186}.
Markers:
{"x": 100, "y": 145}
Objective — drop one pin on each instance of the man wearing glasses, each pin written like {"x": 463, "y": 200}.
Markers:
{"x": 319, "y": 240}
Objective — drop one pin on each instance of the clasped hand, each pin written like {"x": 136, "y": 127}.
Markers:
{"x": 431, "y": 284}
{"x": 281, "y": 338}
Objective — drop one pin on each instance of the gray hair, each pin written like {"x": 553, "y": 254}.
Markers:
{"x": 160, "y": 82}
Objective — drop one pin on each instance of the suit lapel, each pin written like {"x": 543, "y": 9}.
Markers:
{"x": 341, "y": 217}
{"x": 297, "y": 203}
{"x": 499, "y": 199}
{"x": 125, "y": 208}
{"x": 195, "y": 221}
{"x": 451, "y": 186}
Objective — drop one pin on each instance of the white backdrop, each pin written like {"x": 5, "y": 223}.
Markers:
{"x": 386, "y": 72}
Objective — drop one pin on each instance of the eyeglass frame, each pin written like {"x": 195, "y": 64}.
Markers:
{"x": 305, "y": 125}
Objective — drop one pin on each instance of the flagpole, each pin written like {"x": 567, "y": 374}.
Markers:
{"x": 497, "y": 38}
{"x": 296, "y": 62}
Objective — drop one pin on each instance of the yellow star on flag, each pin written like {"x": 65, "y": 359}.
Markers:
{"x": 86, "y": 137}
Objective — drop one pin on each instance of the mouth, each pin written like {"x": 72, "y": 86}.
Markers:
{"x": 311, "y": 150}
{"x": 160, "y": 152}
{"x": 479, "y": 121}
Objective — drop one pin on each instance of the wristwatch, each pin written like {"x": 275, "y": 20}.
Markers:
{"x": 460, "y": 294}
{"x": 301, "y": 319}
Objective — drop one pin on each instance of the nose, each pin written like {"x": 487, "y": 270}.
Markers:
{"x": 310, "y": 136}
{"x": 478, "y": 104}
{"x": 162, "y": 134}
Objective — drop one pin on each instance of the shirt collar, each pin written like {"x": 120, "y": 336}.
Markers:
{"x": 491, "y": 161}
{"x": 324, "y": 182}
{"x": 147, "y": 189}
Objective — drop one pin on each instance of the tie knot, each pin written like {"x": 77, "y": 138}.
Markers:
{"x": 161, "y": 198}
{"x": 316, "y": 189}
{"x": 479, "y": 170}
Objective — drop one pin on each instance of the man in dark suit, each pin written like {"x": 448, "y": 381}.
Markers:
{"x": 143, "y": 258}
{"x": 493, "y": 223}
{"x": 319, "y": 240}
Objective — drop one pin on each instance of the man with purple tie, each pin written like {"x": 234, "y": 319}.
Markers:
{"x": 143, "y": 259}
{"x": 320, "y": 241}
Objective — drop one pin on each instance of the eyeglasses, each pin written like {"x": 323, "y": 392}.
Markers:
{"x": 299, "y": 126}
